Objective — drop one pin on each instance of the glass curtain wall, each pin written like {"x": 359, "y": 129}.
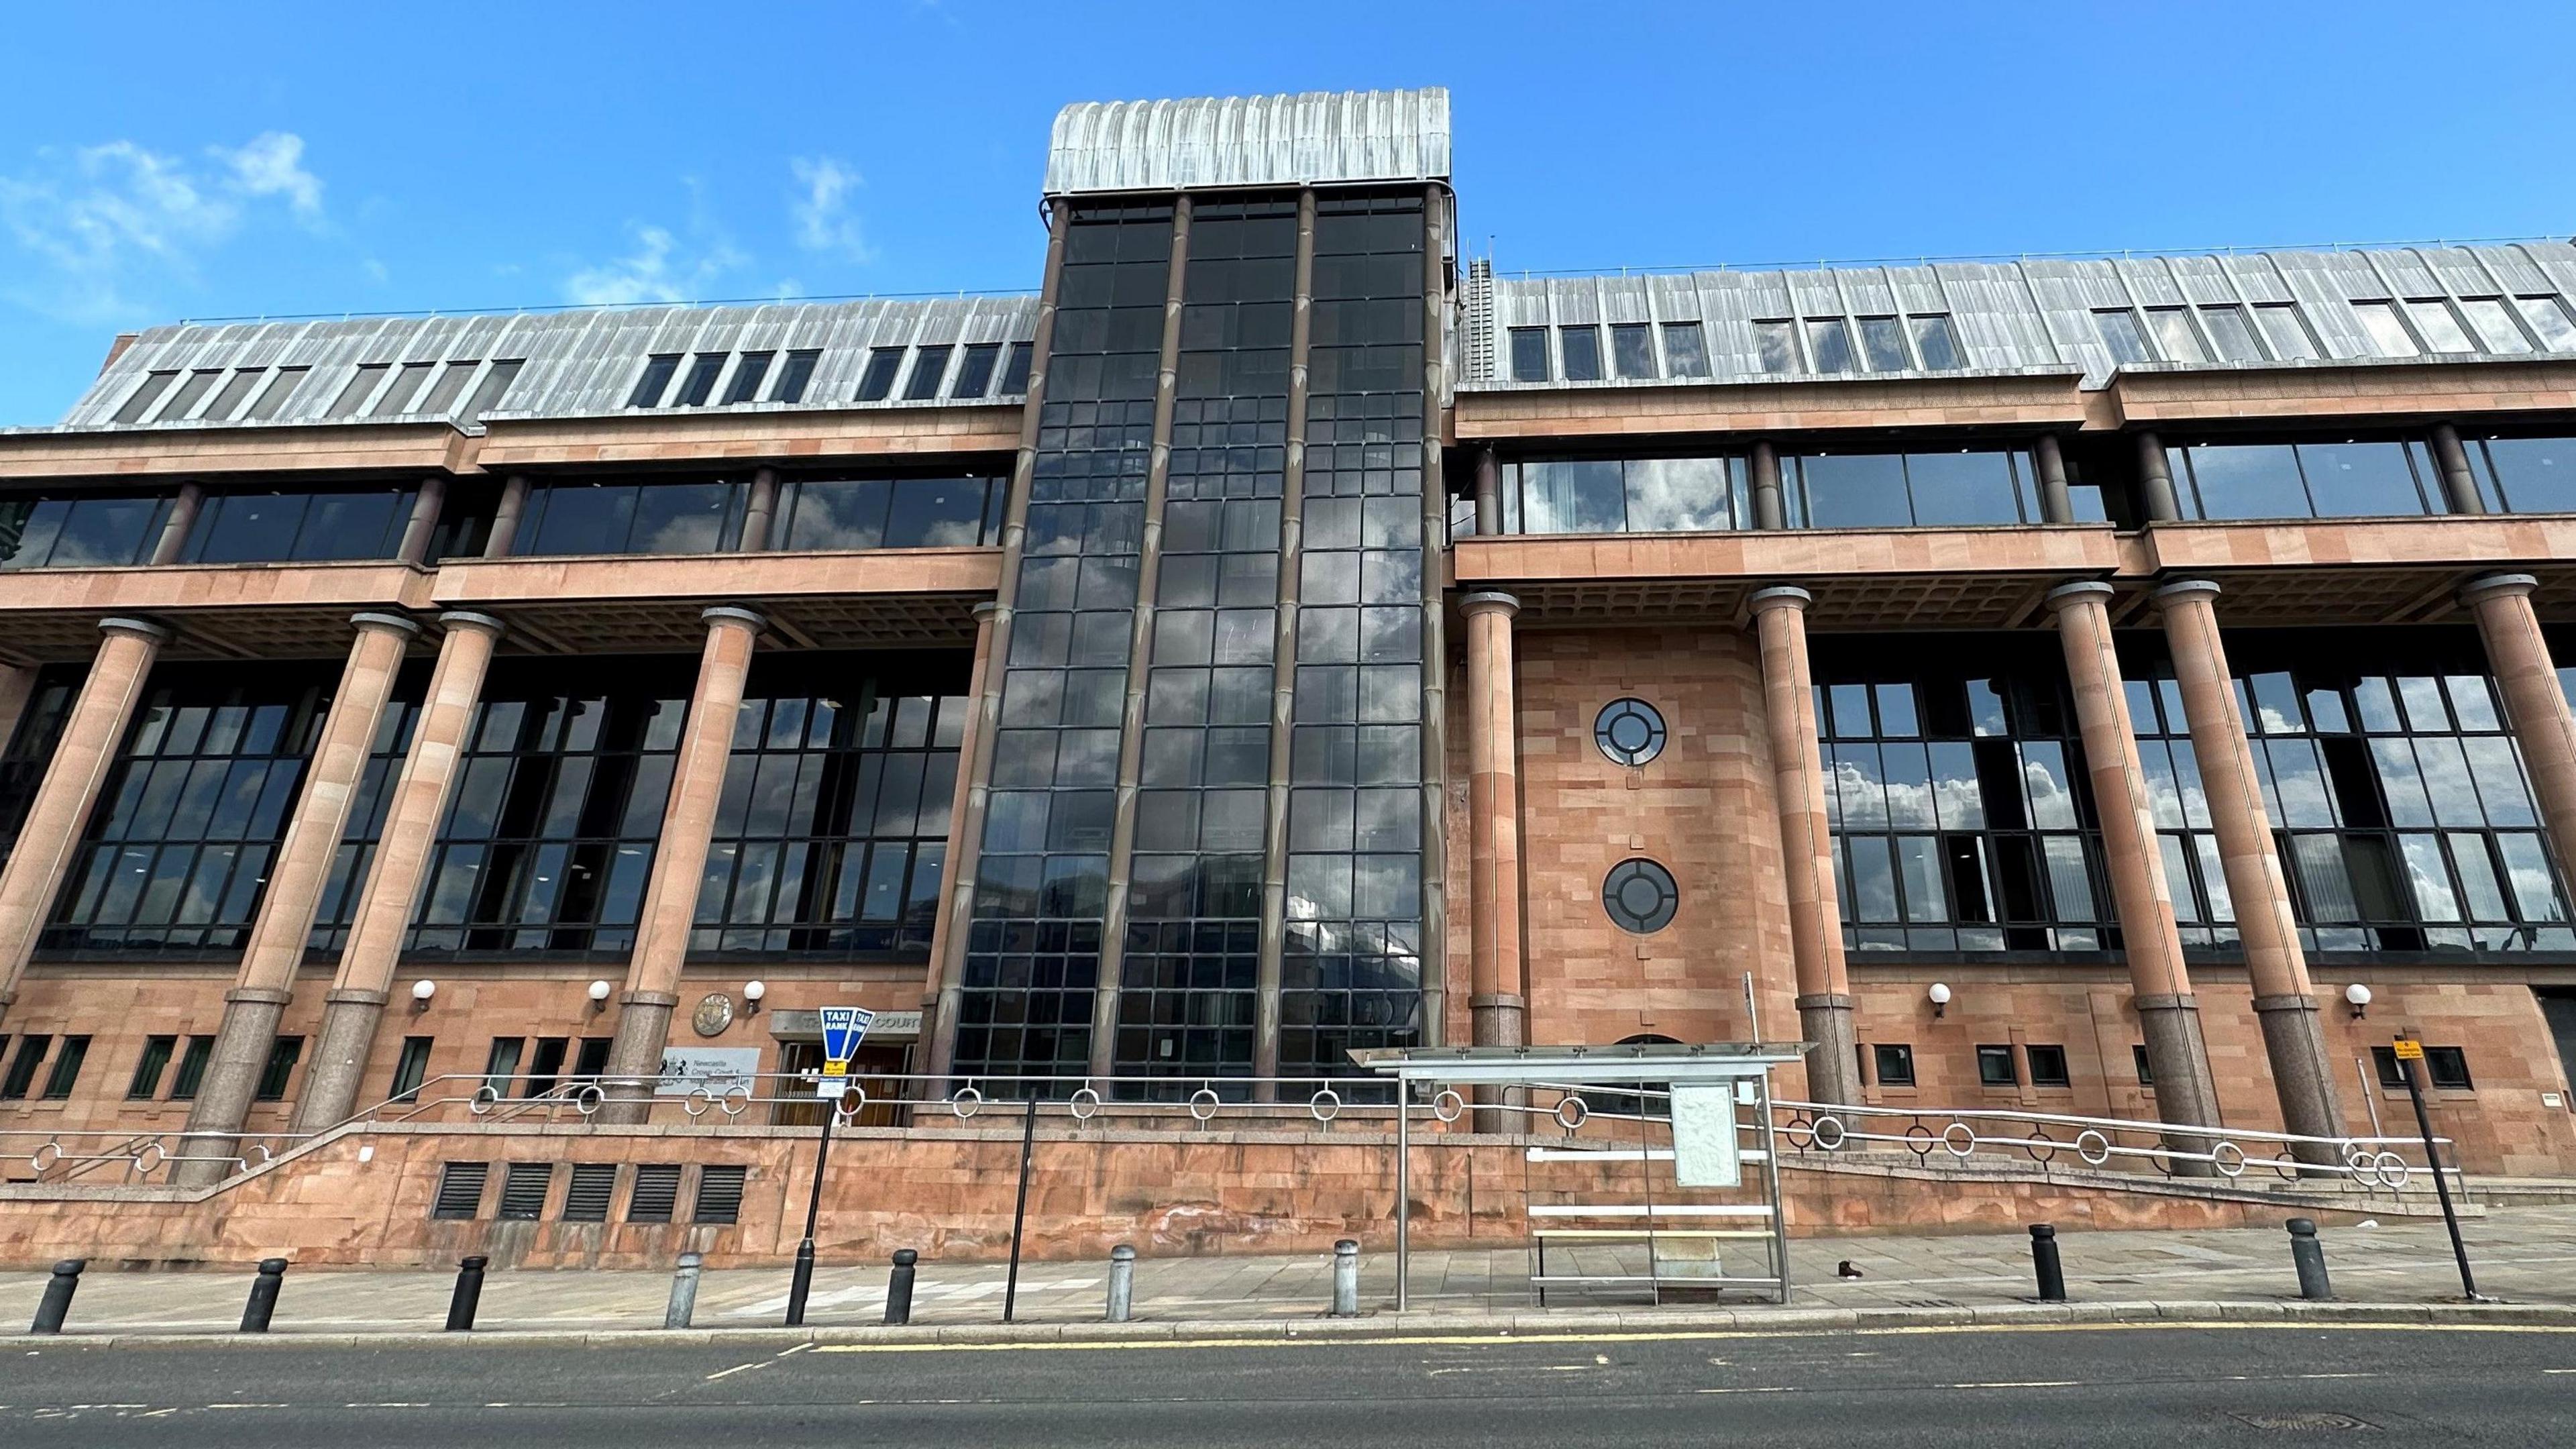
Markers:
{"x": 1956, "y": 790}
{"x": 1033, "y": 947}
{"x": 1352, "y": 972}
{"x": 1190, "y": 955}
{"x": 2403, "y": 814}
{"x": 831, "y": 835}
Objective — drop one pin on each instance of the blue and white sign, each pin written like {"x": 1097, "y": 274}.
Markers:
{"x": 844, "y": 1027}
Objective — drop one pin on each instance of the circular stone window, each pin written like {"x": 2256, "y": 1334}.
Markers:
{"x": 1629, "y": 731}
{"x": 1640, "y": 896}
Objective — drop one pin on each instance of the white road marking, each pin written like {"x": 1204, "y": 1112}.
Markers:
{"x": 1769, "y": 1389}
{"x": 2025, "y": 1384}
{"x": 737, "y": 1368}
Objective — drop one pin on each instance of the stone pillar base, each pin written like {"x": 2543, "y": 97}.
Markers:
{"x": 340, "y": 1051}
{"x": 1833, "y": 1068}
{"x": 2294, "y": 1039}
{"x": 2186, "y": 1095}
{"x": 242, "y": 1045}
{"x": 1500, "y": 1020}
{"x": 635, "y": 1056}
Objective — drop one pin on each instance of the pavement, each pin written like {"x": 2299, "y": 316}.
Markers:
{"x": 2524, "y": 1256}
{"x": 2225, "y": 1384}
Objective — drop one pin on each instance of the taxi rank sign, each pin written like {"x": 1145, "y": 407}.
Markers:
{"x": 844, "y": 1027}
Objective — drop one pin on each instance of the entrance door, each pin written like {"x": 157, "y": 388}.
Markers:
{"x": 2558, "y": 1004}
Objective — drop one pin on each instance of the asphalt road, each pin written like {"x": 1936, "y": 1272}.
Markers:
{"x": 2163, "y": 1387}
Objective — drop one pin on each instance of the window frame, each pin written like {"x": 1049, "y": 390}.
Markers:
{"x": 1884, "y": 1053}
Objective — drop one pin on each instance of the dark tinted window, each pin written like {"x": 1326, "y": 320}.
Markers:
{"x": 975, "y": 374}
{"x": 701, "y": 383}
{"x": 95, "y": 532}
{"x": 2047, "y": 1065}
{"x": 929, "y": 365}
{"x": 848, "y": 513}
{"x": 593, "y": 518}
{"x": 1895, "y": 490}
{"x": 795, "y": 376}
{"x": 263, "y": 527}
{"x": 1015, "y": 374}
{"x": 1995, "y": 1067}
{"x": 878, "y": 381}
{"x": 67, "y": 1066}
{"x": 1582, "y": 348}
{"x": 283, "y": 1054}
{"x": 747, "y": 377}
{"x": 1893, "y": 1066}
{"x": 1529, "y": 354}
{"x": 655, "y": 381}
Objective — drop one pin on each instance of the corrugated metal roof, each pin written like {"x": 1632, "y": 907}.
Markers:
{"x": 572, "y": 364}
{"x": 1314, "y": 138}
{"x": 2045, "y": 314}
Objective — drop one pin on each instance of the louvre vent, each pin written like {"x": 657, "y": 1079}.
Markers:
{"x": 460, "y": 1189}
{"x": 657, "y": 1191}
{"x": 523, "y": 1192}
{"x": 719, "y": 1195}
{"x": 593, "y": 1184}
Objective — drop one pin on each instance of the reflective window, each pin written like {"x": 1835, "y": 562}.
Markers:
{"x": 559, "y": 795}
{"x": 337, "y": 909}
{"x": 363, "y": 383}
{"x": 2230, "y": 334}
{"x": 2402, "y": 812}
{"x": 573, "y": 517}
{"x": 2119, "y": 329}
{"x": 1529, "y": 354}
{"x": 1829, "y": 342}
{"x": 92, "y": 531}
{"x": 1939, "y": 345}
{"x": 854, "y": 513}
{"x": 258, "y": 527}
{"x": 658, "y": 372}
{"x": 2287, "y": 331}
{"x": 748, "y": 375}
{"x": 832, "y": 832}
{"x": 402, "y": 395}
{"x": 929, "y": 366}
{"x": 975, "y": 374}
{"x": 1775, "y": 345}
{"x": 795, "y": 377}
{"x": 273, "y": 400}
{"x": 1900, "y": 490}
{"x": 2353, "y": 479}
{"x": 2496, "y": 328}
{"x": 1685, "y": 350}
{"x": 1581, "y": 347}
{"x": 139, "y": 402}
{"x": 487, "y": 393}
{"x": 2525, "y": 475}
{"x": 700, "y": 384}
{"x": 1634, "y": 495}
{"x": 1629, "y": 731}
{"x": 877, "y": 382}
{"x": 1015, "y": 370}
{"x": 229, "y": 400}
{"x": 2439, "y": 326}
{"x": 1640, "y": 896}
{"x": 2174, "y": 336}
{"x": 174, "y": 856}
{"x": 1955, "y": 786}
{"x": 1632, "y": 350}
{"x": 2550, "y": 321}
{"x": 190, "y": 393}
{"x": 1882, "y": 341}
{"x": 2388, "y": 335}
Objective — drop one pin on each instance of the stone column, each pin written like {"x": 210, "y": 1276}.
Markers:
{"x": 396, "y": 873}
{"x": 2054, "y": 505}
{"x": 266, "y": 982}
{"x": 2155, "y": 481}
{"x": 1500, "y": 1003}
{"x": 51, "y": 839}
{"x": 940, "y": 992}
{"x": 679, "y": 861}
{"x": 2284, "y": 999}
{"x": 1767, "y": 509}
{"x": 423, "y": 523}
{"x": 1489, "y": 494}
{"x": 2459, "y": 484}
{"x": 173, "y": 540}
{"x": 2533, "y": 703}
{"x": 758, "y": 511}
{"x": 1806, "y": 845}
{"x": 2168, "y": 1015}
{"x": 505, "y": 518}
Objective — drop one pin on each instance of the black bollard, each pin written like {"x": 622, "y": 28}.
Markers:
{"x": 2043, "y": 1257}
{"x": 468, "y": 1296}
{"x": 899, "y": 1286}
{"x": 2309, "y": 1256}
{"x": 263, "y": 1295}
{"x": 800, "y": 1284}
{"x": 58, "y": 1296}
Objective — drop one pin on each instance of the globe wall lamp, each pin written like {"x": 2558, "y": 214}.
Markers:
{"x": 1940, "y": 998}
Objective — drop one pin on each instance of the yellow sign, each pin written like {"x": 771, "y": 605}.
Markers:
{"x": 2409, "y": 1049}
{"x": 836, "y": 1069}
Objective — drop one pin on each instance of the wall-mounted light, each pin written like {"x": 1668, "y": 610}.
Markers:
{"x": 1940, "y": 998}
{"x": 752, "y": 991}
{"x": 598, "y": 997}
{"x": 2359, "y": 997}
{"x": 421, "y": 991}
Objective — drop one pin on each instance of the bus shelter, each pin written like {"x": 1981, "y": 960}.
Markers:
{"x": 1720, "y": 1138}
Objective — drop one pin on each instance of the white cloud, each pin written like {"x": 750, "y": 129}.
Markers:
{"x": 657, "y": 271}
{"x": 821, "y": 208}
{"x": 272, "y": 164}
{"x": 102, "y": 223}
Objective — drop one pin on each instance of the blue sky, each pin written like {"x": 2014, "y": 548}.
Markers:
{"x": 196, "y": 161}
